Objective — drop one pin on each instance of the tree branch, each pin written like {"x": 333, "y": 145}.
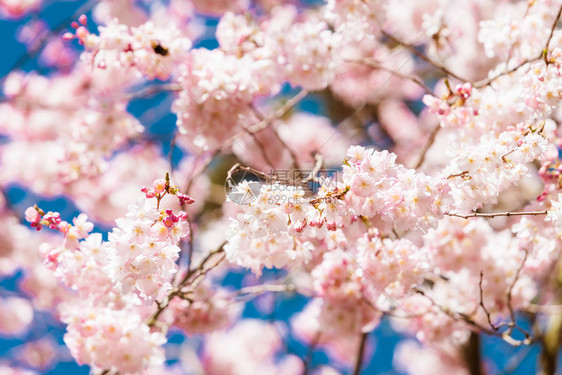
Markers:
{"x": 413, "y": 49}
{"x": 494, "y": 214}
{"x": 377, "y": 65}
{"x": 471, "y": 354}
{"x": 191, "y": 278}
{"x": 360, "y": 353}
{"x": 427, "y": 146}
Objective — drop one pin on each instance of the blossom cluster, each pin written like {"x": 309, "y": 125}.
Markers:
{"x": 113, "y": 277}
{"x": 149, "y": 50}
{"x": 410, "y": 199}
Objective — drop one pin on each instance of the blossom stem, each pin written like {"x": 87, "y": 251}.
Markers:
{"x": 494, "y": 214}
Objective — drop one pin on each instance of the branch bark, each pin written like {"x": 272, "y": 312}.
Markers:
{"x": 471, "y": 354}
{"x": 360, "y": 354}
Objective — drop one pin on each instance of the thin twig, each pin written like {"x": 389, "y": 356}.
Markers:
{"x": 195, "y": 174}
{"x": 427, "y": 146}
{"x": 377, "y": 65}
{"x": 552, "y": 28}
{"x": 494, "y": 214}
{"x": 482, "y": 303}
{"x": 455, "y": 315}
{"x": 237, "y": 167}
{"x": 294, "y": 160}
{"x": 259, "y": 126}
{"x": 261, "y": 148}
{"x": 423, "y": 57}
{"x": 191, "y": 278}
{"x": 280, "y": 112}
{"x": 317, "y": 166}
{"x": 510, "y": 295}
{"x": 485, "y": 82}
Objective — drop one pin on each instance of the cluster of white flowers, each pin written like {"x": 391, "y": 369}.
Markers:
{"x": 379, "y": 186}
{"x": 263, "y": 234}
{"x": 144, "y": 259}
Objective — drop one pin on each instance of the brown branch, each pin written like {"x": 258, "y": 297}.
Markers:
{"x": 295, "y": 160}
{"x": 261, "y": 148}
{"x": 360, "y": 354}
{"x": 427, "y": 146}
{"x": 423, "y": 57}
{"x": 485, "y": 82}
{"x": 280, "y": 112}
{"x": 552, "y": 28}
{"x": 261, "y": 125}
{"x": 471, "y": 354}
{"x": 372, "y": 63}
{"x": 510, "y": 291}
{"x": 237, "y": 167}
{"x": 192, "y": 278}
{"x": 205, "y": 266}
{"x": 494, "y": 214}
{"x": 550, "y": 345}
{"x": 295, "y": 164}
{"x": 317, "y": 166}
{"x": 455, "y": 315}
{"x": 488, "y": 317}
{"x": 194, "y": 175}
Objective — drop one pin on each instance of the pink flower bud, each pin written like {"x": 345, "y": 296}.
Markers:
{"x": 185, "y": 199}
{"x": 83, "y": 19}
{"x": 68, "y": 36}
